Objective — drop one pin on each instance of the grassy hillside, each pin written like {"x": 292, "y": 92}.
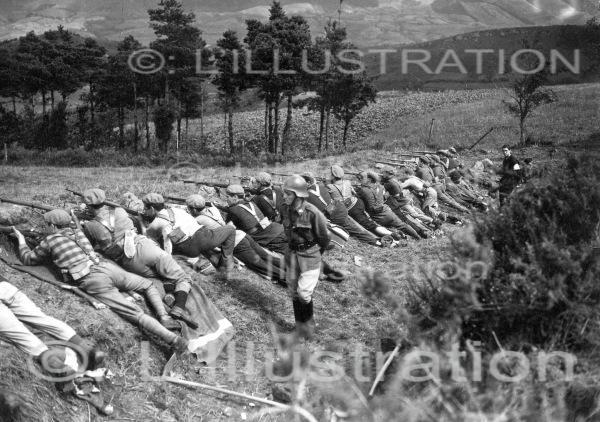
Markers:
{"x": 347, "y": 321}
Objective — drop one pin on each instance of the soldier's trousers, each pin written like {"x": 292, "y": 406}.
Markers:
{"x": 205, "y": 240}
{"x": 16, "y": 310}
{"x": 258, "y": 259}
{"x": 105, "y": 282}
{"x": 302, "y": 272}
{"x": 341, "y": 217}
{"x": 387, "y": 218}
{"x": 446, "y": 199}
{"x": 358, "y": 213}
{"x": 151, "y": 261}
{"x": 410, "y": 215}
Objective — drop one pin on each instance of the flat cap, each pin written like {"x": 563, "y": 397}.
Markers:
{"x": 58, "y": 217}
{"x": 444, "y": 153}
{"x": 388, "y": 170}
{"x": 235, "y": 190}
{"x": 309, "y": 176}
{"x": 452, "y": 150}
{"x": 153, "y": 199}
{"x": 337, "y": 171}
{"x": 373, "y": 176}
{"x": 94, "y": 196}
{"x": 263, "y": 178}
{"x": 195, "y": 201}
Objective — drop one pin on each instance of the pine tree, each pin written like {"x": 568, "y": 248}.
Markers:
{"x": 231, "y": 80}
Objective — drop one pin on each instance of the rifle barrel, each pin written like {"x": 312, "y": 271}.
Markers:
{"x": 27, "y": 233}
{"x": 389, "y": 163}
{"x": 174, "y": 198}
{"x": 210, "y": 184}
{"x": 109, "y": 203}
{"x": 27, "y": 204}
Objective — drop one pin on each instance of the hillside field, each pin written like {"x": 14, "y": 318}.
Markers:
{"x": 346, "y": 320}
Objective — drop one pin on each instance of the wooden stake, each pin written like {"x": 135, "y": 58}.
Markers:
{"x": 480, "y": 139}
{"x": 381, "y": 373}
{"x": 430, "y": 130}
{"x": 297, "y": 409}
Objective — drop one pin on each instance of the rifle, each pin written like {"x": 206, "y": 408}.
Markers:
{"x": 400, "y": 162}
{"x": 319, "y": 178}
{"x": 27, "y": 233}
{"x": 209, "y": 184}
{"x": 110, "y": 204}
{"x": 27, "y": 204}
{"x": 208, "y": 204}
{"x": 413, "y": 154}
{"x": 389, "y": 163}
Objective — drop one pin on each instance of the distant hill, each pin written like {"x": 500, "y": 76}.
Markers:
{"x": 369, "y": 22}
{"x": 563, "y": 38}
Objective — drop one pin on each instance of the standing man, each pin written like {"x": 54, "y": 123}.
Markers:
{"x": 511, "y": 174}
{"x": 73, "y": 254}
{"x": 307, "y": 234}
{"x": 112, "y": 233}
{"x": 179, "y": 232}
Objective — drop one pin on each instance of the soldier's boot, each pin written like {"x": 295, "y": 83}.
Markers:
{"x": 225, "y": 272}
{"x": 178, "y": 309}
{"x": 382, "y": 231}
{"x": 156, "y": 302}
{"x": 408, "y": 230}
{"x": 305, "y": 324}
{"x": 95, "y": 357}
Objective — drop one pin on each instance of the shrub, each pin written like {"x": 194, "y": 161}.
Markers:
{"x": 540, "y": 281}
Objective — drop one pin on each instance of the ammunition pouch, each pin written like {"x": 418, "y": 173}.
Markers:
{"x": 73, "y": 275}
{"x": 177, "y": 236}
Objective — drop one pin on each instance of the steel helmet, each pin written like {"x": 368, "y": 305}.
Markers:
{"x": 296, "y": 184}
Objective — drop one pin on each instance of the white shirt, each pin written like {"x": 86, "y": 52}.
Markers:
{"x": 162, "y": 226}
{"x": 211, "y": 218}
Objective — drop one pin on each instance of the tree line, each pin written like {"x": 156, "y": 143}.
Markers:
{"x": 117, "y": 105}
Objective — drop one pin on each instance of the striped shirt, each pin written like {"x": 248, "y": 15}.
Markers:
{"x": 68, "y": 248}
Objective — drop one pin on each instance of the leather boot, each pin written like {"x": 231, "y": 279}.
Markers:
{"x": 95, "y": 357}
{"x": 180, "y": 344}
{"x": 297, "y": 309}
{"x": 154, "y": 327}
{"x": 305, "y": 325}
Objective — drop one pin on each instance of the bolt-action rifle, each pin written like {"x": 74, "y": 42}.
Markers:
{"x": 34, "y": 205}
{"x": 110, "y": 204}
{"x": 27, "y": 233}
{"x": 393, "y": 164}
{"x": 183, "y": 200}
{"x": 319, "y": 178}
{"x": 209, "y": 184}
